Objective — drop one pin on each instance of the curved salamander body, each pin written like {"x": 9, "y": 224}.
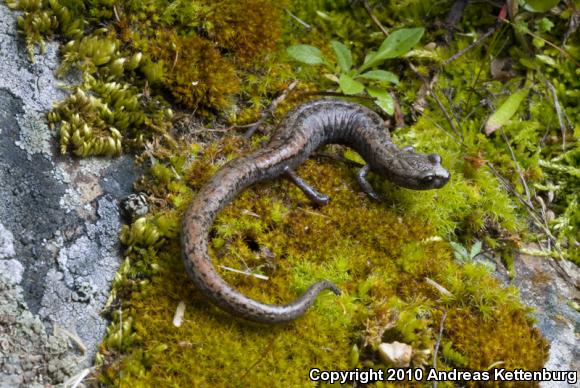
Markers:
{"x": 302, "y": 131}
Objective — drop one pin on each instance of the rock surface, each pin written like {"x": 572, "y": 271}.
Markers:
{"x": 550, "y": 287}
{"x": 59, "y": 224}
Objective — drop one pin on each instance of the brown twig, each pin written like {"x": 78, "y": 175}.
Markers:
{"x": 531, "y": 210}
{"x": 300, "y": 21}
{"x": 204, "y": 130}
{"x": 374, "y": 18}
{"x": 472, "y": 45}
{"x": 561, "y": 50}
{"x": 558, "y": 113}
{"x": 438, "y": 101}
{"x": 266, "y": 113}
{"x": 522, "y": 179}
{"x": 438, "y": 343}
{"x": 452, "y": 107}
{"x": 539, "y": 222}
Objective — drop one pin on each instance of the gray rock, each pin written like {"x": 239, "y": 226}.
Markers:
{"x": 28, "y": 355}
{"x": 59, "y": 224}
{"x": 550, "y": 287}
{"x": 6, "y": 243}
{"x": 12, "y": 269}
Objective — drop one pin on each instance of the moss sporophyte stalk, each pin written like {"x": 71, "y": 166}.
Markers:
{"x": 171, "y": 80}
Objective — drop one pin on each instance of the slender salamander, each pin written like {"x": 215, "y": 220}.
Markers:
{"x": 303, "y": 130}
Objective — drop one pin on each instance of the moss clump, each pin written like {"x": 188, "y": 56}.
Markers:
{"x": 192, "y": 54}
{"x": 379, "y": 259}
{"x": 248, "y": 29}
{"x": 194, "y": 70}
{"x": 201, "y": 49}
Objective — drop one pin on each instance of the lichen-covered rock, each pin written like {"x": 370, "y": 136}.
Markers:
{"x": 551, "y": 287}
{"x": 29, "y": 356}
{"x": 59, "y": 224}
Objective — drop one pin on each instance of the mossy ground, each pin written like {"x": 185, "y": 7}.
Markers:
{"x": 226, "y": 61}
{"x": 379, "y": 259}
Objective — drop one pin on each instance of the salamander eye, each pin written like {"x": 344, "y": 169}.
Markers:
{"x": 428, "y": 179}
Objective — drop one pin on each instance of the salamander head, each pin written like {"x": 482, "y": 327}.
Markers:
{"x": 416, "y": 171}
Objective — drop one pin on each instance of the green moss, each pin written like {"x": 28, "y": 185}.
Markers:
{"x": 195, "y": 72}
{"x": 380, "y": 259}
{"x": 192, "y": 54}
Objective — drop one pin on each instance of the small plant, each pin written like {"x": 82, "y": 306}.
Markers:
{"x": 367, "y": 77}
{"x": 463, "y": 256}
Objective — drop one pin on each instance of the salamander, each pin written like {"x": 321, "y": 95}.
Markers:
{"x": 300, "y": 133}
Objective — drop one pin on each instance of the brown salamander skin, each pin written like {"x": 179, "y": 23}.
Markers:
{"x": 303, "y": 130}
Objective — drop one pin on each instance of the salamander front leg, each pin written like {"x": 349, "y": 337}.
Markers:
{"x": 309, "y": 191}
{"x": 365, "y": 185}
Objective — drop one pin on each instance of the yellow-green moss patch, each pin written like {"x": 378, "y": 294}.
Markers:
{"x": 379, "y": 258}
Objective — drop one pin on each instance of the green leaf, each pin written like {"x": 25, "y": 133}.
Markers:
{"x": 395, "y": 45}
{"x": 383, "y": 99}
{"x": 529, "y": 63}
{"x": 343, "y": 55}
{"x": 306, "y": 54}
{"x": 545, "y": 25}
{"x": 369, "y": 55}
{"x": 546, "y": 59}
{"x": 381, "y": 75}
{"x": 349, "y": 85}
{"x": 505, "y": 112}
{"x": 540, "y": 5}
{"x": 459, "y": 251}
{"x": 475, "y": 249}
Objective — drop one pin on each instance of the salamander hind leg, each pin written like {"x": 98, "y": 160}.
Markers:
{"x": 315, "y": 196}
{"x": 365, "y": 185}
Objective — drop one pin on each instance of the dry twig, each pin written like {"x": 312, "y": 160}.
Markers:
{"x": 531, "y": 210}
{"x": 300, "y": 21}
{"x": 519, "y": 170}
{"x": 438, "y": 343}
{"x": 256, "y": 275}
{"x": 437, "y": 100}
{"x": 374, "y": 18}
{"x": 453, "y": 17}
{"x": 558, "y": 113}
{"x": 471, "y": 46}
{"x": 265, "y": 114}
